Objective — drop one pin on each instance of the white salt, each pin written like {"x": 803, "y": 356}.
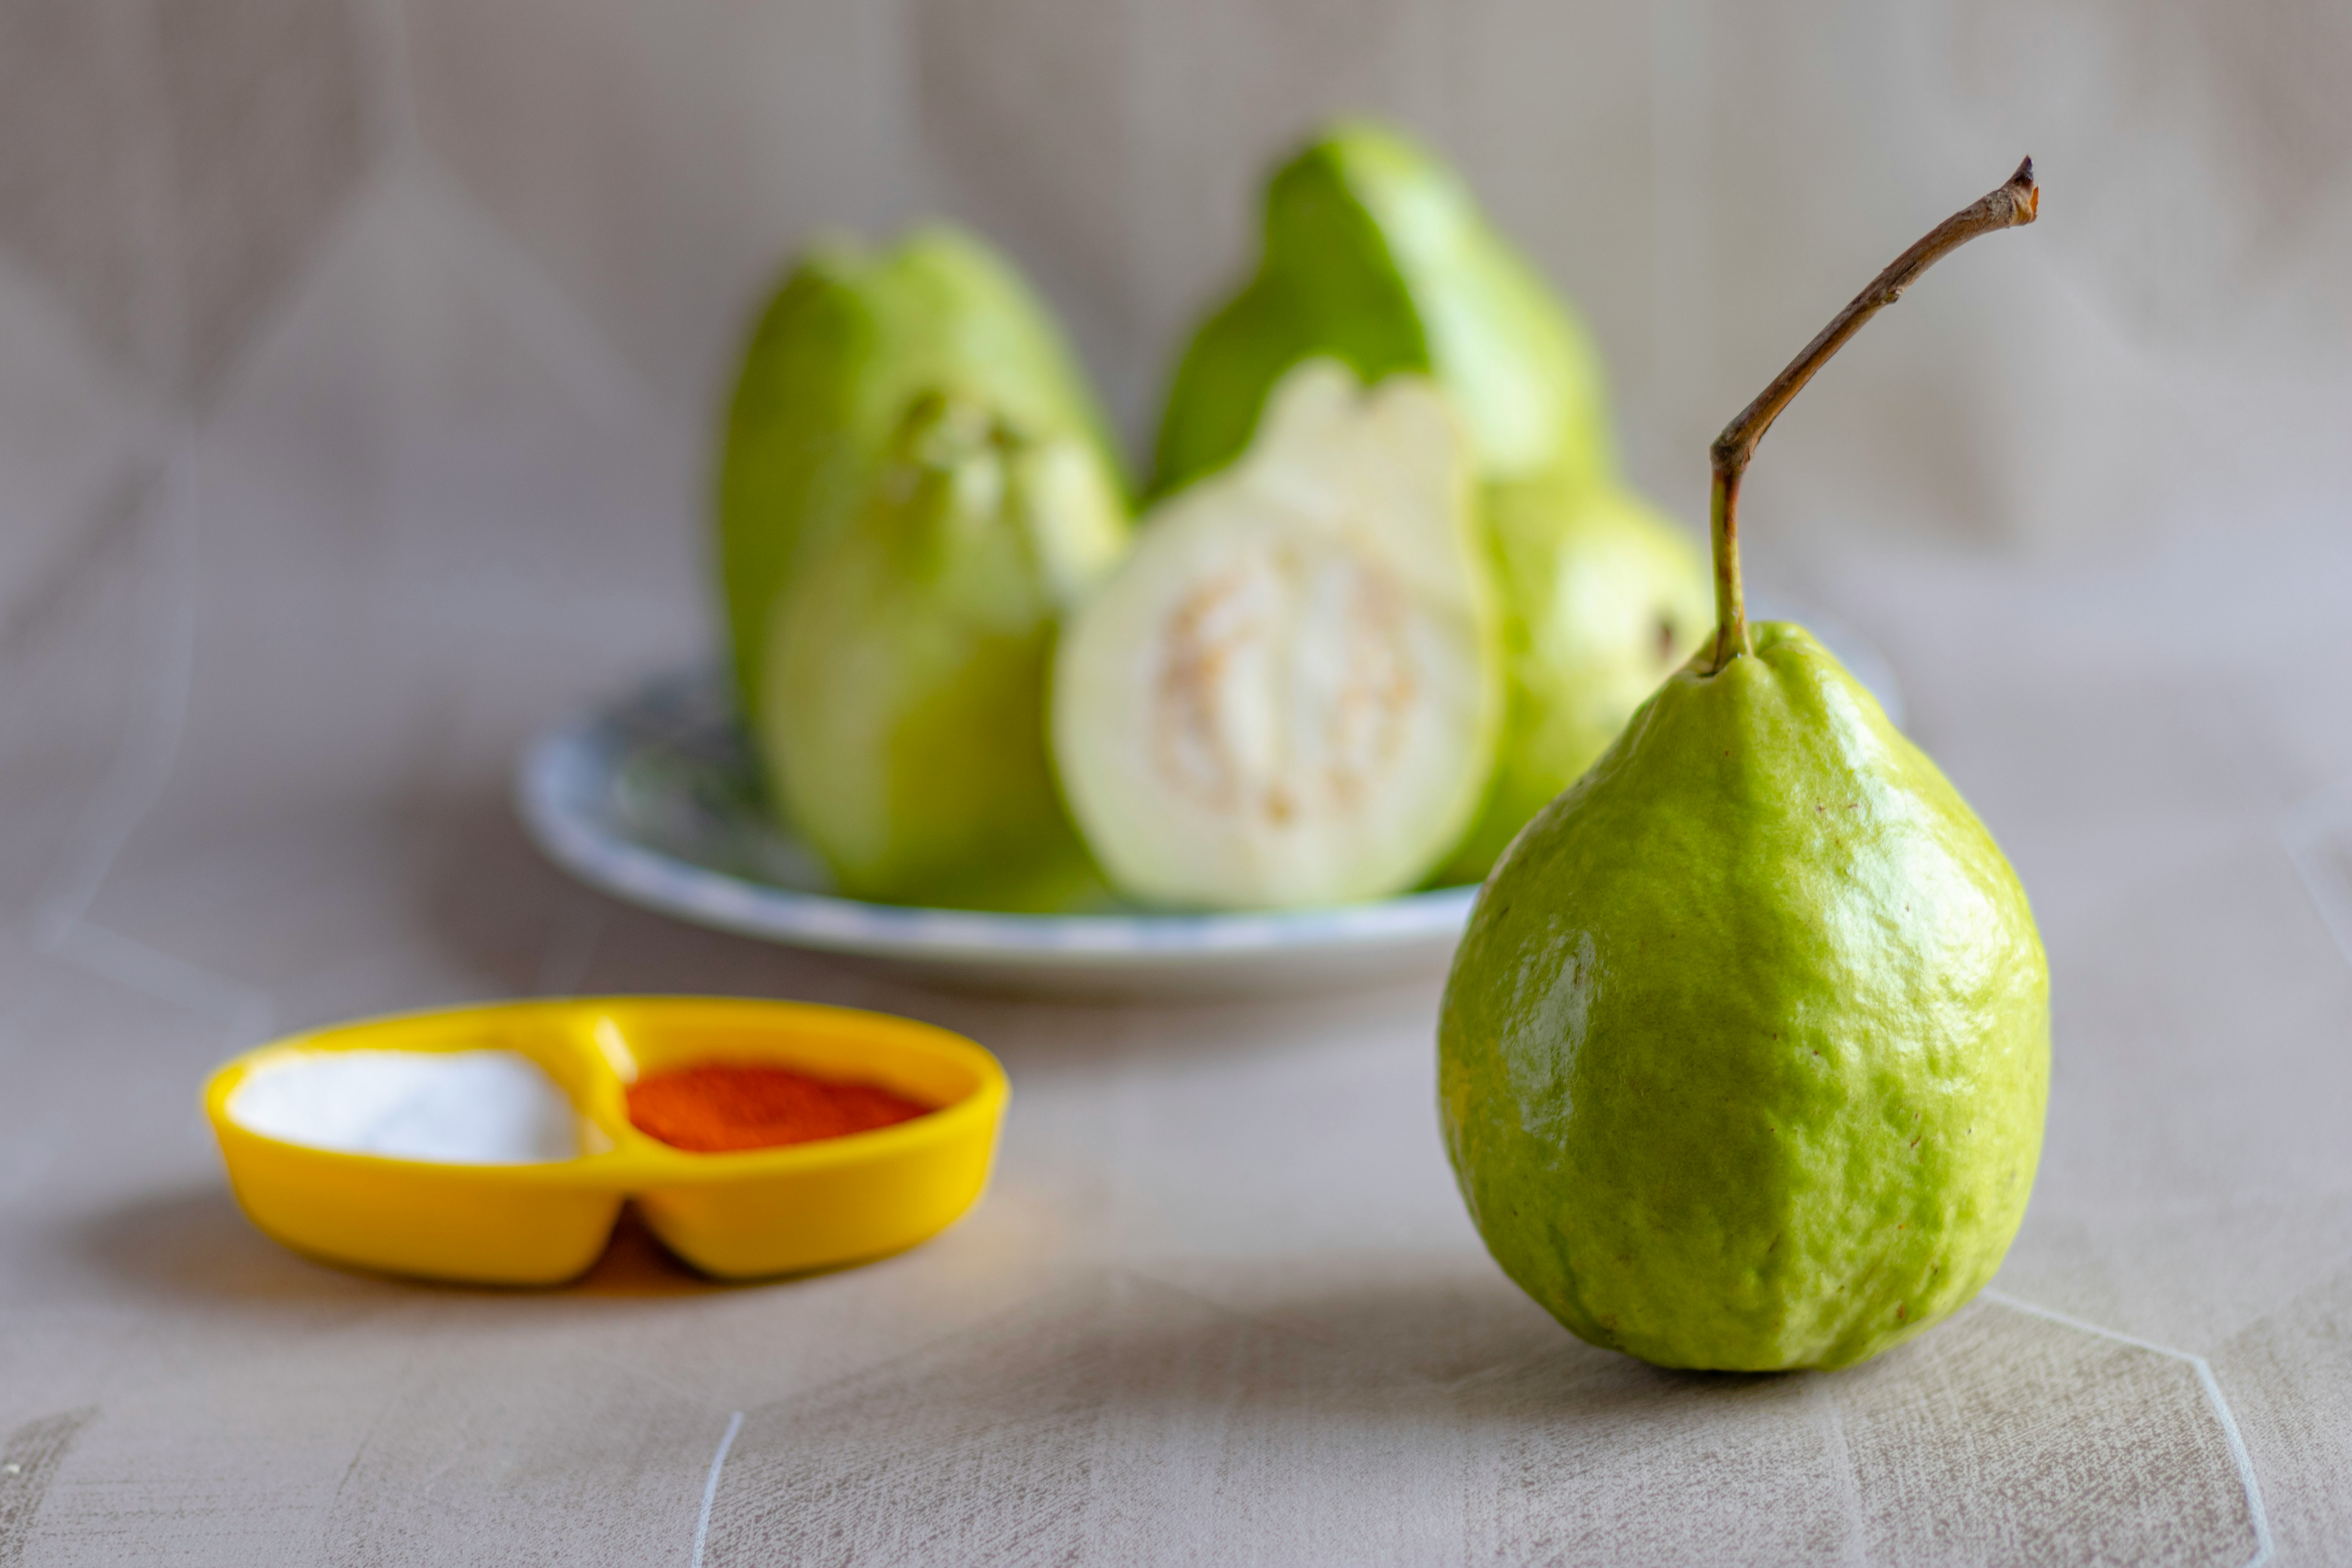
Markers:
{"x": 470, "y": 1108}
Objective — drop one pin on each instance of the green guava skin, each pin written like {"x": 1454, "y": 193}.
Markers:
{"x": 1743, "y": 1059}
{"x": 849, "y": 341}
{"x": 1377, "y": 255}
{"x": 903, "y": 715}
{"x": 1602, "y": 599}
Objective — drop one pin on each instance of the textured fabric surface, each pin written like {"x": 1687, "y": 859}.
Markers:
{"x": 354, "y": 367}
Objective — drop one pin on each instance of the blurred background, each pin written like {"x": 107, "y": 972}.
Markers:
{"x": 359, "y": 363}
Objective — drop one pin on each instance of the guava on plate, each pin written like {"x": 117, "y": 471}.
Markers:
{"x": 1291, "y": 692}
{"x": 902, "y": 716}
{"x": 850, "y": 339}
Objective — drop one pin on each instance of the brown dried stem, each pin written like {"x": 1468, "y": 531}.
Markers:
{"x": 2013, "y": 204}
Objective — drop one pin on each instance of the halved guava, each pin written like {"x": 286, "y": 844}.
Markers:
{"x": 1377, "y": 254}
{"x": 902, "y": 716}
{"x": 1289, "y": 693}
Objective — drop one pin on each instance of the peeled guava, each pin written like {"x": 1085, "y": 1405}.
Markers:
{"x": 1602, "y": 600}
{"x": 902, "y": 714}
{"x": 850, "y": 339}
{"x": 1377, "y": 255}
{"x": 1289, "y": 692}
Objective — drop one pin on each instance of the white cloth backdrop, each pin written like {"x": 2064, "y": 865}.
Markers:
{"x": 355, "y": 370}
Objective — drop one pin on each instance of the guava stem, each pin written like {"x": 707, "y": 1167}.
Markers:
{"x": 1723, "y": 537}
{"x": 2014, "y": 204}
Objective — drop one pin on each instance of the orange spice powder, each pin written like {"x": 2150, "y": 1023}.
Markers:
{"x": 714, "y": 1108}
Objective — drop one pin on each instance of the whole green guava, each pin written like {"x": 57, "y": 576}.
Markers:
{"x": 903, "y": 713}
{"x": 850, "y": 339}
{"x": 1743, "y": 1059}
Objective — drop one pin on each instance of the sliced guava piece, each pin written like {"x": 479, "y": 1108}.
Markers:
{"x": 850, "y": 339}
{"x": 1377, "y": 254}
{"x": 902, "y": 715}
{"x": 1289, "y": 693}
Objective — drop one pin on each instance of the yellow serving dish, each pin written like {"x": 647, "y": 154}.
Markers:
{"x": 738, "y": 1215}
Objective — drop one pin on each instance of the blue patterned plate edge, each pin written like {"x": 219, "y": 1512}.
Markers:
{"x": 565, "y": 791}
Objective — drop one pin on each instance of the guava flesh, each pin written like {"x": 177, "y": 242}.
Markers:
{"x": 1375, "y": 252}
{"x": 1289, "y": 693}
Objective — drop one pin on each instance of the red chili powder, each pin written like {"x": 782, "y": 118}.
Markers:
{"x": 715, "y": 1107}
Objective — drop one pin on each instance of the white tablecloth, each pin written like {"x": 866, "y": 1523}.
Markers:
{"x": 1222, "y": 1303}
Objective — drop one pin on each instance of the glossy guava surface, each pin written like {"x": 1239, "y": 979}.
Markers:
{"x": 1743, "y": 1058}
{"x": 1377, "y": 255}
{"x": 1602, "y": 599}
{"x": 903, "y": 713}
{"x": 848, "y": 342}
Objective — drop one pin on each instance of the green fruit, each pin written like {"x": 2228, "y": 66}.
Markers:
{"x": 849, "y": 341}
{"x": 1743, "y": 1059}
{"x": 1601, "y": 599}
{"x": 1376, "y": 254}
{"x": 1289, "y": 693}
{"x": 903, "y": 709}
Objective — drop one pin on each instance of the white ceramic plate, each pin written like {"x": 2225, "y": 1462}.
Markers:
{"x": 652, "y": 798}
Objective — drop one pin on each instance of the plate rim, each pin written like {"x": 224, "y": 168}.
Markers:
{"x": 557, "y": 780}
